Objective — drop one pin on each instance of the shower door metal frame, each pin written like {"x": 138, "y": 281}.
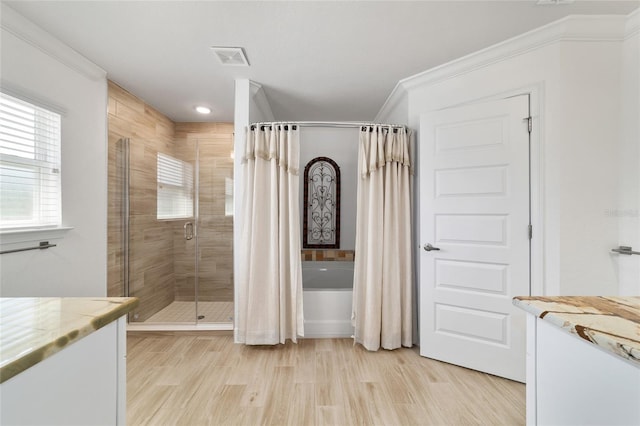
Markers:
{"x": 125, "y": 215}
{"x": 196, "y": 232}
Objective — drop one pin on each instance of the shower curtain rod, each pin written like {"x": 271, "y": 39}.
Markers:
{"x": 327, "y": 124}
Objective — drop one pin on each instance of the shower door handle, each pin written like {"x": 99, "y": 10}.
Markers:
{"x": 188, "y": 231}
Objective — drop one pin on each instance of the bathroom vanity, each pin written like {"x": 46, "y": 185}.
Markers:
{"x": 63, "y": 360}
{"x": 583, "y": 360}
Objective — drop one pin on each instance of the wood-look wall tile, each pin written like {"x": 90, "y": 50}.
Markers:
{"x": 161, "y": 261}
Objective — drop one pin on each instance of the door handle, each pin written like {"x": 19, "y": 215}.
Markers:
{"x": 625, "y": 250}
{"x": 188, "y": 231}
{"x": 429, "y": 247}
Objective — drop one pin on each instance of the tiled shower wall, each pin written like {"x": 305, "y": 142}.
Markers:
{"x": 161, "y": 261}
{"x": 151, "y": 244}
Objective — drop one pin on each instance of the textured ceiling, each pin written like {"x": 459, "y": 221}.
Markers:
{"x": 328, "y": 60}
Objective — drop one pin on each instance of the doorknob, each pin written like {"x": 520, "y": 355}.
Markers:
{"x": 429, "y": 247}
{"x": 625, "y": 250}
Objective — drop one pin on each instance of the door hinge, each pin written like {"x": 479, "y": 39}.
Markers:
{"x": 530, "y": 232}
{"x": 529, "y": 123}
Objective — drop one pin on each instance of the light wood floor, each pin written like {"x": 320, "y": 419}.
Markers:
{"x": 203, "y": 379}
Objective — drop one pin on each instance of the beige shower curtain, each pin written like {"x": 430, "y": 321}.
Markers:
{"x": 383, "y": 277}
{"x": 270, "y": 280}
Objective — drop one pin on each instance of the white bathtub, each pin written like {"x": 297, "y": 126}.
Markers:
{"x": 327, "y": 295}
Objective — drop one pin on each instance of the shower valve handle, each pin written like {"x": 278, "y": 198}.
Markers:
{"x": 429, "y": 247}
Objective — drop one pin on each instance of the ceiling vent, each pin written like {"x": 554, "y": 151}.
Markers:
{"x": 232, "y": 56}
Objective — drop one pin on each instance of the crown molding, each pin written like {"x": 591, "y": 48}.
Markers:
{"x": 260, "y": 98}
{"x": 632, "y": 26}
{"x": 577, "y": 28}
{"x": 398, "y": 95}
{"x": 16, "y": 24}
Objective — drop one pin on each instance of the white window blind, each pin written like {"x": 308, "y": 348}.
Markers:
{"x": 29, "y": 165}
{"x": 175, "y": 188}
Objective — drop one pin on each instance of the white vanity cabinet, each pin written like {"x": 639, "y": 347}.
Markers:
{"x": 67, "y": 364}
{"x": 583, "y": 360}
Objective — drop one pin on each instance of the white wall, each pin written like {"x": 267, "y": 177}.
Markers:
{"x": 39, "y": 67}
{"x": 628, "y": 210}
{"x": 582, "y": 156}
{"x": 576, "y": 93}
{"x": 240, "y": 122}
{"x": 341, "y": 145}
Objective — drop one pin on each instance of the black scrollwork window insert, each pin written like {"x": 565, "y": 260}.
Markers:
{"x": 321, "y": 204}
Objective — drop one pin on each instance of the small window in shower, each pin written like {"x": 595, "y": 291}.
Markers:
{"x": 321, "y": 204}
{"x": 175, "y": 188}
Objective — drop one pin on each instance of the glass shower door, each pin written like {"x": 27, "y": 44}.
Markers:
{"x": 182, "y": 179}
{"x": 171, "y": 229}
{"x": 159, "y": 230}
{"x": 215, "y": 230}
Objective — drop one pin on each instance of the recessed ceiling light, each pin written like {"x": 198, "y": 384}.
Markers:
{"x": 233, "y": 56}
{"x": 203, "y": 110}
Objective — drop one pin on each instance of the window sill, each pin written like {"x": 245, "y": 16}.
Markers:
{"x": 31, "y": 235}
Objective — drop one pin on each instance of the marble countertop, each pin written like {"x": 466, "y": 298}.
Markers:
{"x": 32, "y": 329}
{"x": 612, "y": 323}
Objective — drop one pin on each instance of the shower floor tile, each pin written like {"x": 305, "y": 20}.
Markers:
{"x": 185, "y": 312}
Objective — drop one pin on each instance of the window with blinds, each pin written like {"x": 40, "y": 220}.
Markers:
{"x": 29, "y": 165}
{"x": 175, "y": 188}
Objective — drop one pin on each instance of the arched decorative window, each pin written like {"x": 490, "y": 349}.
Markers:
{"x": 321, "y": 204}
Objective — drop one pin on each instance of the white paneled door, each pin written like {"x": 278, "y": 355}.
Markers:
{"x": 474, "y": 229}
